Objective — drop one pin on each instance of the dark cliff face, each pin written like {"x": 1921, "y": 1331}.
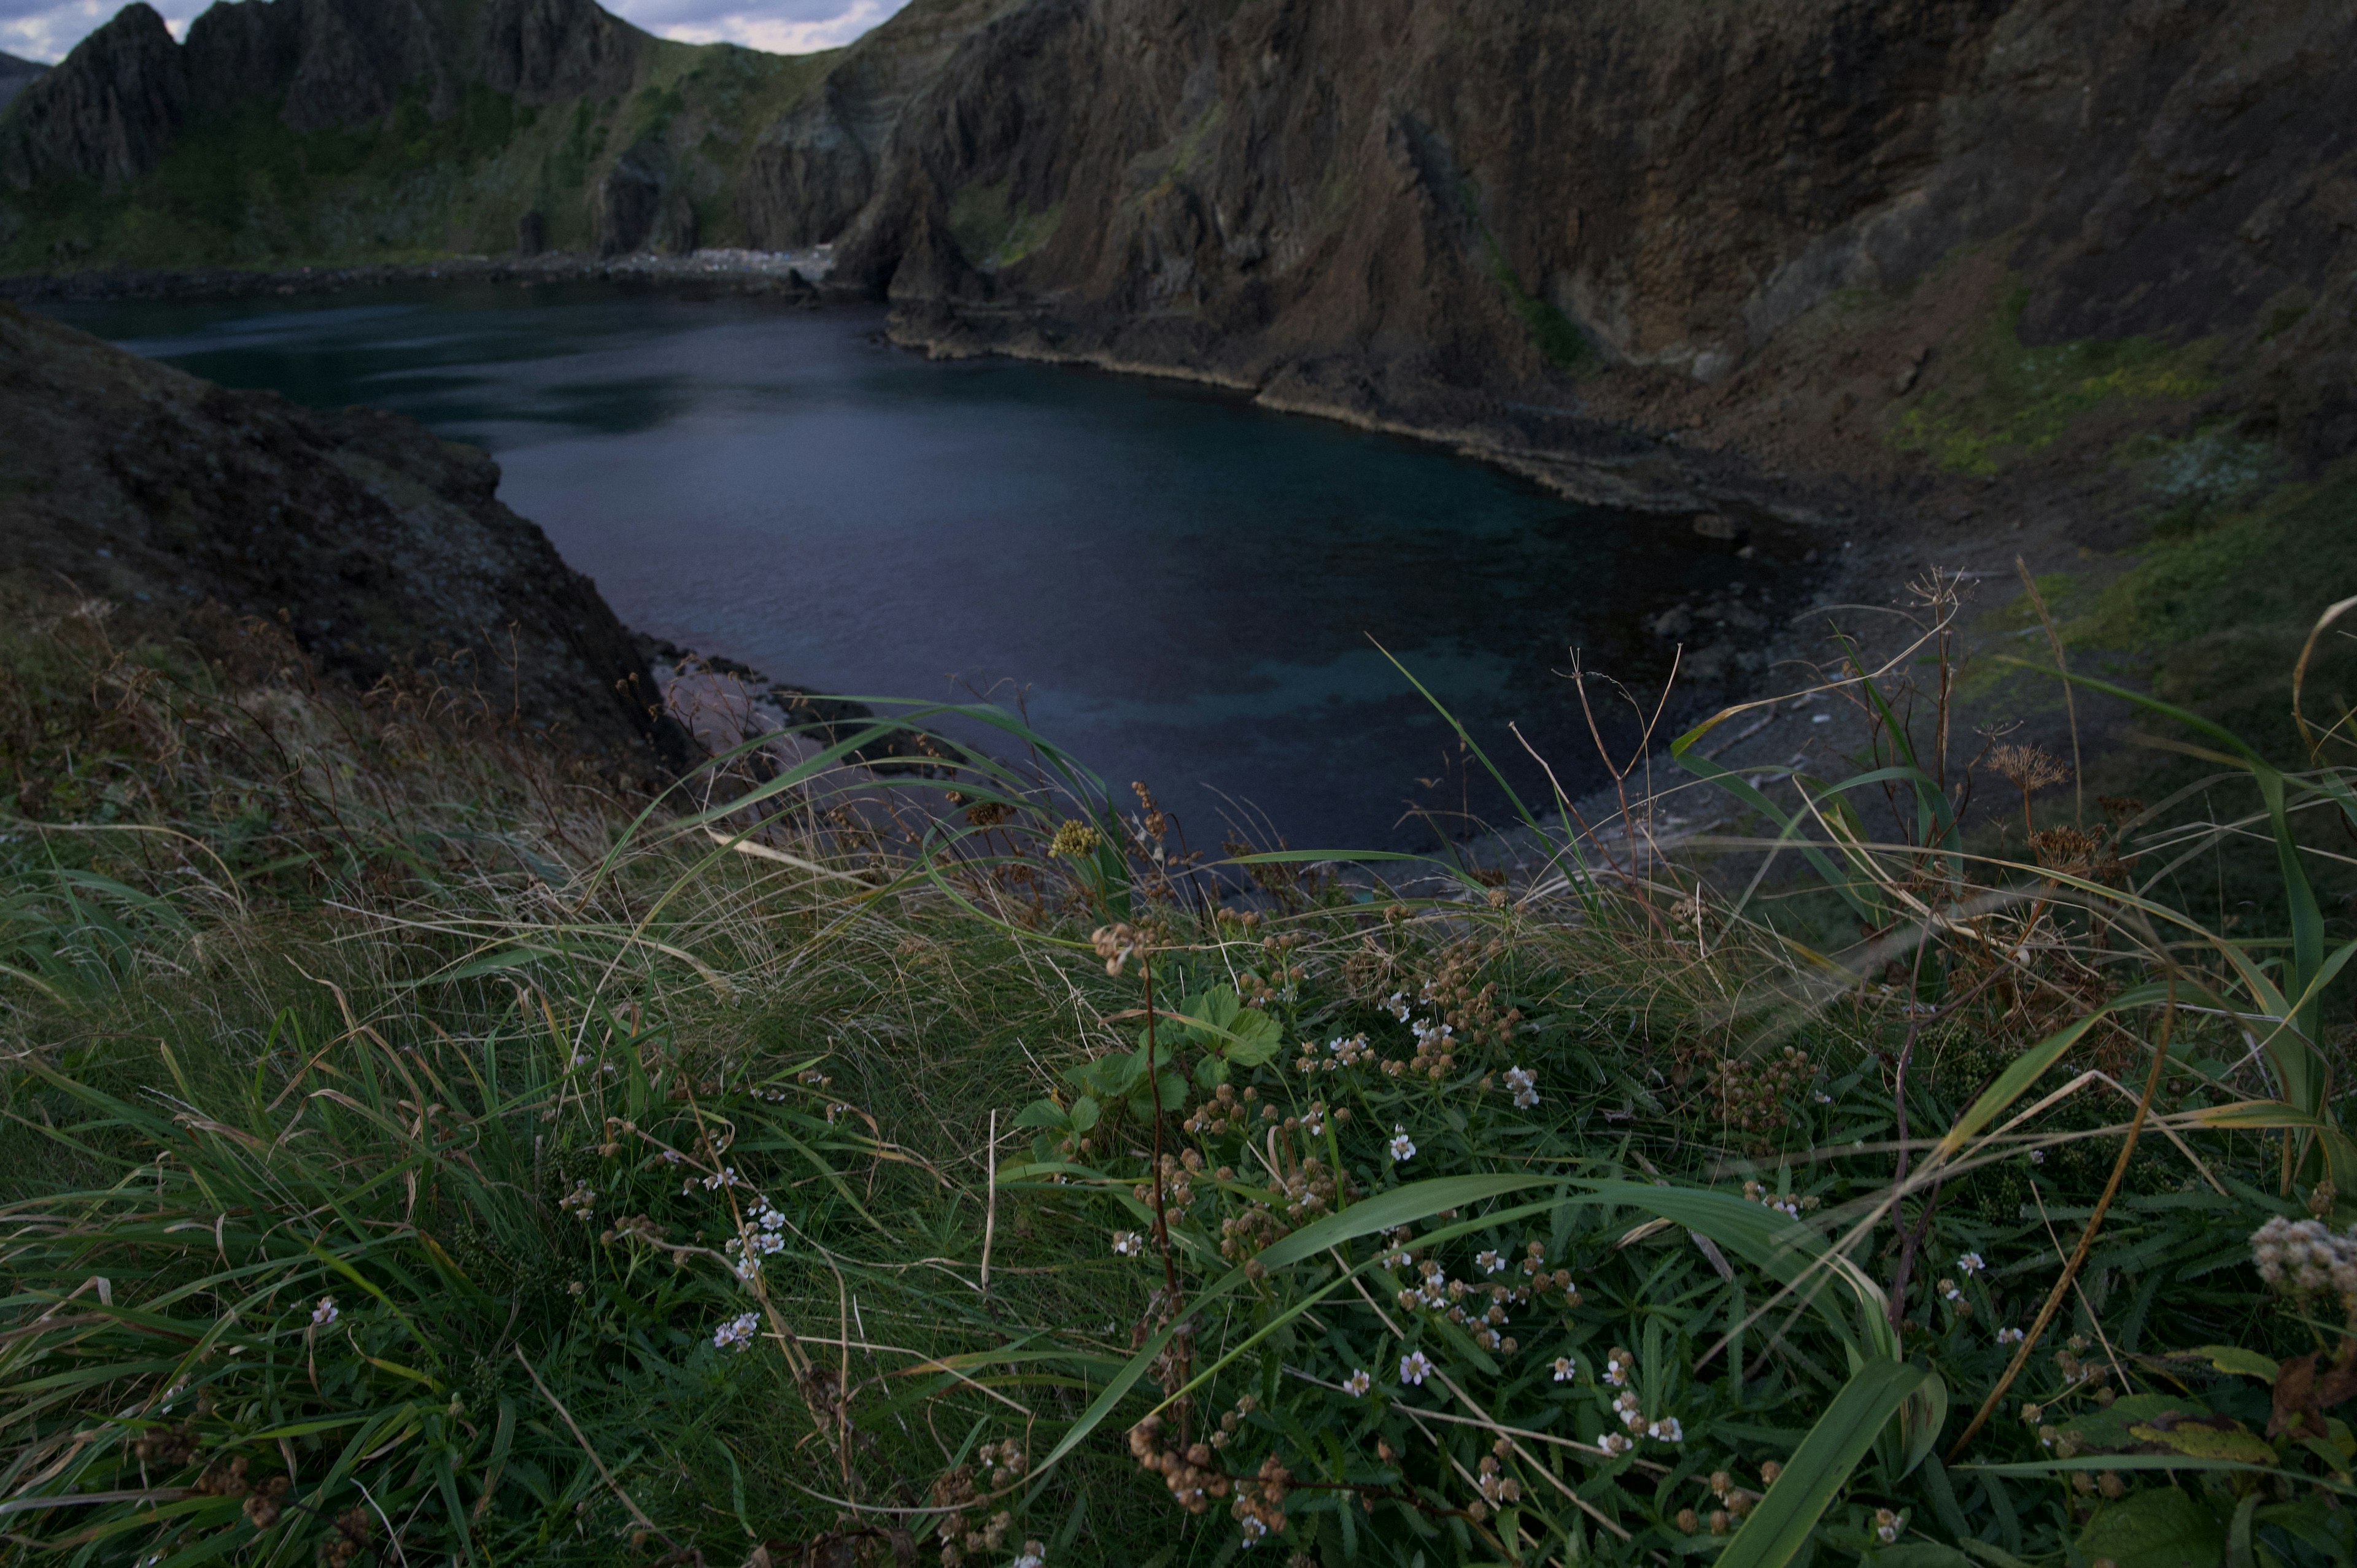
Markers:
{"x": 384, "y": 548}
{"x": 114, "y": 107}
{"x": 1335, "y": 203}
{"x": 109, "y": 117}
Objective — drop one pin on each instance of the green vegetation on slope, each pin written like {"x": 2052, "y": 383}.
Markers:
{"x": 243, "y": 190}
{"x": 414, "y": 1153}
{"x": 2005, "y": 399}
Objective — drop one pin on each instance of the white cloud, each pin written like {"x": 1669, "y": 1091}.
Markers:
{"x": 782, "y": 27}
{"x": 47, "y": 30}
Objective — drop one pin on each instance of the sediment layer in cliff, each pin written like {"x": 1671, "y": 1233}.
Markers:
{"x": 380, "y": 549}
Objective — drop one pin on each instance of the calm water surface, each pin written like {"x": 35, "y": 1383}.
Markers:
{"x": 1179, "y": 587}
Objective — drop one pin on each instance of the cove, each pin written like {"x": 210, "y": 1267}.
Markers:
{"x": 1175, "y": 585}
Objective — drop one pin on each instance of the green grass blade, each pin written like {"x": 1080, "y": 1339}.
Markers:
{"x": 1779, "y": 1528}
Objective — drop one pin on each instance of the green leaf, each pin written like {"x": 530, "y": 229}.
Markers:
{"x": 1254, "y": 1038}
{"x": 2235, "y": 1359}
{"x": 2158, "y": 1528}
{"x": 1042, "y": 1113}
{"x": 1920, "y": 1554}
{"x": 1779, "y": 1527}
{"x": 2106, "y": 1427}
{"x": 2209, "y": 1442}
{"x": 1086, "y": 1114}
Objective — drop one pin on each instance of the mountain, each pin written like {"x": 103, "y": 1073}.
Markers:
{"x": 15, "y": 75}
{"x": 320, "y": 129}
{"x": 1660, "y": 254}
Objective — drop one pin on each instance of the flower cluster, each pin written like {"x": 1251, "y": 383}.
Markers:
{"x": 757, "y": 1239}
{"x": 1351, "y": 1051}
{"x": 1791, "y": 1205}
{"x": 956, "y": 1494}
{"x": 2307, "y": 1258}
{"x": 1191, "y": 1475}
{"x": 1755, "y": 1096}
{"x": 737, "y": 1334}
{"x": 1524, "y": 1084}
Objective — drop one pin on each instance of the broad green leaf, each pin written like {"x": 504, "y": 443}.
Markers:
{"x": 1041, "y": 1114}
{"x": 2160, "y": 1527}
{"x": 1781, "y": 1526}
{"x": 2235, "y": 1359}
{"x": 2208, "y": 1442}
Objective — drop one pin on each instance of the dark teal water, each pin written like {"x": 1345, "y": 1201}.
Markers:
{"x": 1179, "y": 587}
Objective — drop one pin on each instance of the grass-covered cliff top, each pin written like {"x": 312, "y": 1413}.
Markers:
{"x": 416, "y": 1150}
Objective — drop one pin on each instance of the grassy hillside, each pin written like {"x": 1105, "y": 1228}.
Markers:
{"x": 415, "y": 1150}
{"x": 244, "y": 191}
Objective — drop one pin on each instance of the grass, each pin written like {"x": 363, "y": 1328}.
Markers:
{"x": 393, "y": 1108}
{"x": 2007, "y": 399}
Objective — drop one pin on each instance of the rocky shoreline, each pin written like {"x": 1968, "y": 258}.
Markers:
{"x": 794, "y": 274}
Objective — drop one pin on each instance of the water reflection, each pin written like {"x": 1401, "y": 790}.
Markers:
{"x": 1177, "y": 587}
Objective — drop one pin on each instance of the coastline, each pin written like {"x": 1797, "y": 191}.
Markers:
{"x": 794, "y": 273}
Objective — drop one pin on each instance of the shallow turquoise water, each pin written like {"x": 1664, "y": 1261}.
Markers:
{"x": 1178, "y": 587}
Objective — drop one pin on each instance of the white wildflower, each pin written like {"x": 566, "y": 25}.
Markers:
{"x": 1403, "y": 1146}
{"x": 1564, "y": 1369}
{"x": 1491, "y": 1263}
{"x": 1128, "y": 1244}
{"x": 1357, "y": 1384}
{"x": 2009, "y": 1335}
{"x": 738, "y": 1332}
{"x": 1614, "y": 1444}
{"x": 1970, "y": 1263}
{"x": 1525, "y": 1086}
{"x": 1414, "y": 1366}
{"x": 325, "y": 1313}
{"x": 1666, "y": 1430}
{"x": 1035, "y": 1555}
{"x": 1254, "y": 1529}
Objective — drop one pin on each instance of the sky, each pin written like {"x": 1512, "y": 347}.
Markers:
{"x": 45, "y": 29}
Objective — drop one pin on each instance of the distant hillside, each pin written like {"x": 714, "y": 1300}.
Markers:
{"x": 299, "y": 131}
{"x": 15, "y": 75}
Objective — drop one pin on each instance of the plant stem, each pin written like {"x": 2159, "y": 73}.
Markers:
{"x": 2086, "y": 1237}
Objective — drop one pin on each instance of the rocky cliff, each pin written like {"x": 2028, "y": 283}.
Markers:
{"x": 1813, "y": 225}
{"x": 330, "y": 130}
{"x": 382, "y": 550}
{"x": 1808, "y": 255}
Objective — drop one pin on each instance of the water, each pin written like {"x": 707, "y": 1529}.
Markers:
{"x": 1178, "y": 587}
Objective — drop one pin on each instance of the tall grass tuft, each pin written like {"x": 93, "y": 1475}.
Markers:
{"x": 418, "y": 1149}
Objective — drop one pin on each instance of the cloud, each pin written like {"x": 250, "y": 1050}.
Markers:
{"x": 782, "y": 27}
{"x": 45, "y": 29}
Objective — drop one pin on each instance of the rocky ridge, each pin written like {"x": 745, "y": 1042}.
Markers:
{"x": 382, "y": 550}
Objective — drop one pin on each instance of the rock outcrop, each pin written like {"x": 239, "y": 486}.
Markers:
{"x": 119, "y": 100}
{"x": 1344, "y": 204}
{"x": 381, "y": 548}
